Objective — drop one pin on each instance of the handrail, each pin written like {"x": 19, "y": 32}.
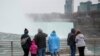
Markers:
{"x": 13, "y": 46}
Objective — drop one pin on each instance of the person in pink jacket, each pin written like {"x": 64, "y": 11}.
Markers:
{"x": 33, "y": 49}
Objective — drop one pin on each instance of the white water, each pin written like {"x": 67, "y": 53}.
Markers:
{"x": 88, "y": 52}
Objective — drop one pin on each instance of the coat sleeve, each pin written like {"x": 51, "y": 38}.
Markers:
{"x": 21, "y": 39}
{"x": 29, "y": 41}
{"x": 76, "y": 39}
{"x": 35, "y": 38}
{"x": 68, "y": 39}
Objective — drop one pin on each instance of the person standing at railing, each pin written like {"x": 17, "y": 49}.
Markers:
{"x": 40, "y": 39}
{"x": 71, "y": 42}
{"x": 80, "y": 43}
{"x": 25, "y": 42}
{"x": 33, "y": 48}
{"x": 54, "y": 44}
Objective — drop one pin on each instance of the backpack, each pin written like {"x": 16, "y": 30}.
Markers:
{"x": 24, "y": 40}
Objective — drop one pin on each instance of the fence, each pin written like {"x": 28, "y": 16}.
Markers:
{"x": 13, "y": 48}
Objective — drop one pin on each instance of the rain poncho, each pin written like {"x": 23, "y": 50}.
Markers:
{"x": 53, "y": 43}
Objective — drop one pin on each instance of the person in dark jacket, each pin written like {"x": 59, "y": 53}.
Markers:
{"x": 25, "y": 42}
{"x": 40, "y": 39}
{"x": 71, "y": 42}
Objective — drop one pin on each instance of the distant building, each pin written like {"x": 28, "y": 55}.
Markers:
{"x": 88, "y": 7}
{"x": 99, "y": 6}
{"x": 84, "y": 6}
{"x": 94, "y": 7}
{"x": 98, "y": 0}
{"x": 68, "y": 7}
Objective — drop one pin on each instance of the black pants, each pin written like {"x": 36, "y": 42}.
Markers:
{"x": 81, "y": 50}
{"x": 33, "y": 54}
{"x": 26, "y": 51}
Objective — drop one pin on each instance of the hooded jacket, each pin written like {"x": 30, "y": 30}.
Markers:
{"x": 33, "y": 48}
{"x": 71, "y": 38}
{"x": 27, "y": 43}
{"x": 40, "y": 40}
{"x": 80, "y": 40}
{"x": 53, "y": 43}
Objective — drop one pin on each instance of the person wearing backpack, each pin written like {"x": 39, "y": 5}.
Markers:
{"x": 25, "y": 42}
{"x": 33, "y": 48}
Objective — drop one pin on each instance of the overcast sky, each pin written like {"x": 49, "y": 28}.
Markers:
{"x": 48, "y": 6}
{"x": 12, "y": 12}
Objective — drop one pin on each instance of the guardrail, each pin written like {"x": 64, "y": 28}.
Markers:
{"x": 13, "y": 48}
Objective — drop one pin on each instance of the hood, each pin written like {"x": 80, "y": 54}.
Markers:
{"x": 73, "y": 30}
{"x": 53, "y": 34}
{"x": 26, "y": 31}
{"x": 33, "y": 42}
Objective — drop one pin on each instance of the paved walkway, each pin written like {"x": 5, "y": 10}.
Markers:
{"x": 76, "y": 55}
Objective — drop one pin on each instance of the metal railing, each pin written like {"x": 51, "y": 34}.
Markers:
{"x": 13, "y": 48}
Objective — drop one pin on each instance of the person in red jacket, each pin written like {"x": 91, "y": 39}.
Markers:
{"x": 33, "y": 49}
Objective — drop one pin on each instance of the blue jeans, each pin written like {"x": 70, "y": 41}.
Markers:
{"x": 73, "y": 50}
{"x": 41, "y": 52}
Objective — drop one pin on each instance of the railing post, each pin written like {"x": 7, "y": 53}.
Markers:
{"x": 94, "y": 46}
{"x": 11, "y": 48}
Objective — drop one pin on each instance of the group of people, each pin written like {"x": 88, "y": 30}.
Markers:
{"x": 37, "y": 46}
{"x": 76, "y": 39}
